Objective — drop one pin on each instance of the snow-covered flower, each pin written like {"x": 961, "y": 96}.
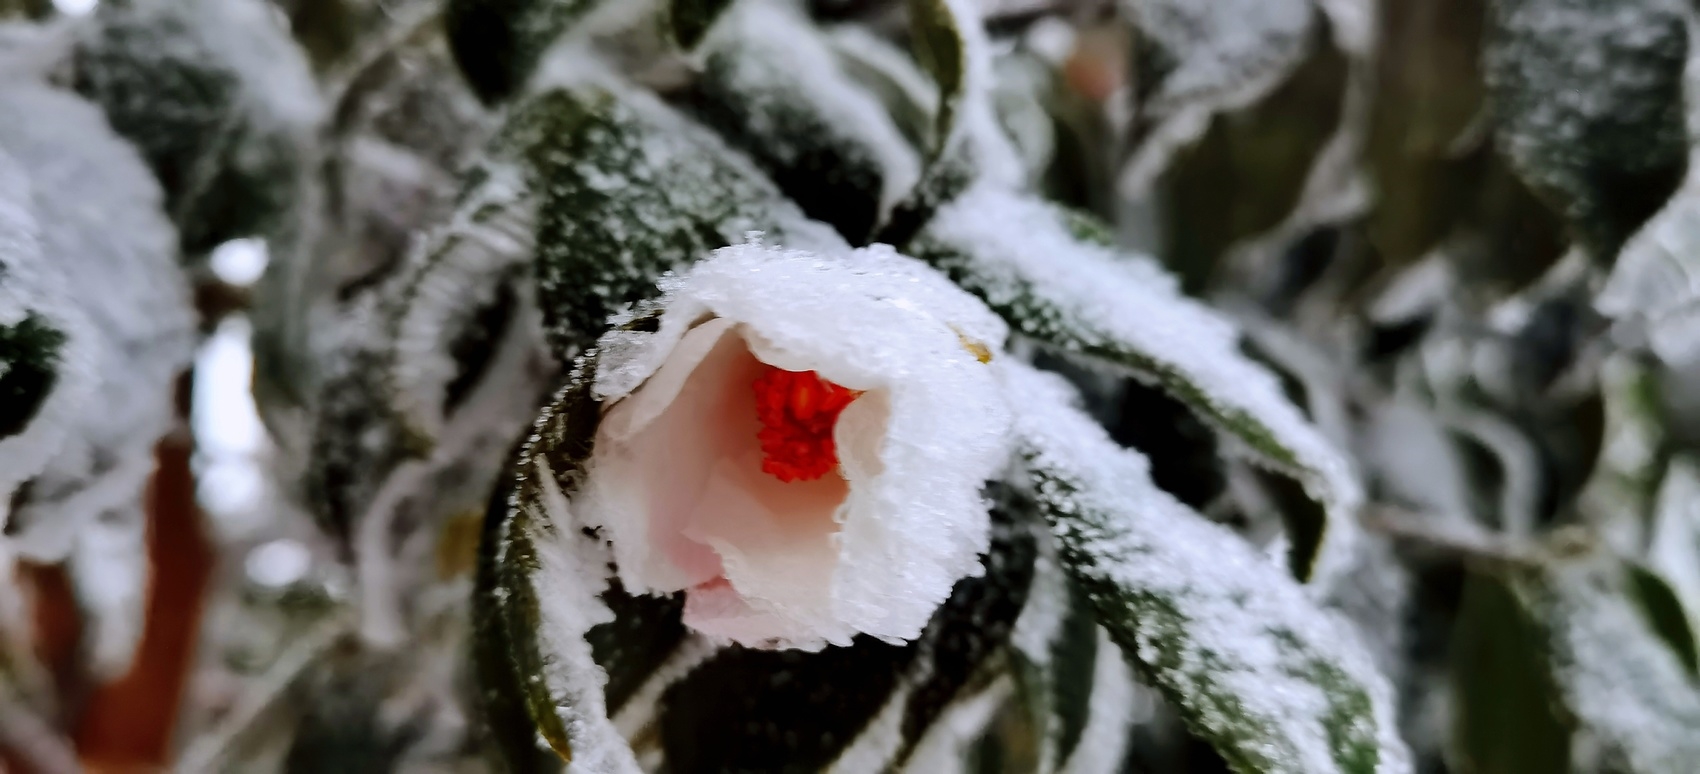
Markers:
{"x": 800, "y": 445}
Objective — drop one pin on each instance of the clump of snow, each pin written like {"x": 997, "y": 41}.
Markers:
{"x": 109, "y": 574}
{"x": 101, "y": 222}
{"x": 1090, "y": 300}
{"x": 873, "y": 548}
{"x": 1276, "y": 683}
{"x": 33, "y": 287}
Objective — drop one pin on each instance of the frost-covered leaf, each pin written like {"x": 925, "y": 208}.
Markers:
{"x": 892, "y": 75}
{"x": 1587, "y": 99}
{"x": 1273, "y": 682}
{"x": 1038, "y": 266}
{"x": 691, "y": 19}
{"x": 1598, "y": 689}
{"x": 627, "y": 189}
{"x": 1673, "y": 545}
{"x": 1073, "y": 689}
{"x": 539, "y": 582}
{"x": 387, "y": 270}
{"x": 42, "y": 377}
{"x": 1655, "y": 283}
{"x": 498, "y": 43}
{"x": 1199, "y": 59}
{"x": 218, "y": 98}
{"x": 100, "y": 222}
{"x": 774, "y": 89}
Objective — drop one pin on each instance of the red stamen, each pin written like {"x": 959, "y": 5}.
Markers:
{"x": 798, "y": 410}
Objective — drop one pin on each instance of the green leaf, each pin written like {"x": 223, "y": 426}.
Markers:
{"x": 498, "y": 42}
{"x": 1606, "y": 151}
{"x": 1506, "y": 723}
{"x": 939, "y": 32}
{"x": 29, "y": 368}
{"x": 626, "y": 189}
{"x": 1033, "y": 264}
{"x": 1664, "y": 613}
{"x": 1271, "y": 681}
{"x": 773, "y": 87}
{"x": 1620, "y": 697}
{"x": 1673, "y": 547}
{"x": 690, "y": 19}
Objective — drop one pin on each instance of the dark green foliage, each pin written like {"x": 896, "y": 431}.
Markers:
{"x": 29, "y": 363}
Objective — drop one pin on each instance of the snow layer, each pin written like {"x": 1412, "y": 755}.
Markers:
{"x": 1031, "y": 265}
{"x": 101, "y": 222}
{"x": 1273, "y": 681}
{"x": 33, "y": 293}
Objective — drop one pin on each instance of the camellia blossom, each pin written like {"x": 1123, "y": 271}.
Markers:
{"x": 800, "y": 445}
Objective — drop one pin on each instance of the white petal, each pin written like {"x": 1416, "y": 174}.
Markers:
{"x": 874, "y": 549}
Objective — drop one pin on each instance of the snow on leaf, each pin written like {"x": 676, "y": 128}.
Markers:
{"x": 100, "y": 222}
{"x": 499, "y": 43}
{"x": 44, "y": 375}
{"x": 218, "y": 98}
{"x": 1040, "y": 270}
{"x": 892, "y": 75}
{"x": 1112, "y": 709}
{"x": 1587, "y": 97}
{"x": 1206, "y": 58}
{"x": 628, "y": 189}
{"x": 1273, "y": 682}
{"x": 1673, "y": 548}
{"x": 1656, "y": 280}
{"x": 1623, "y": 695}
{"x": 538, "y": 586}
{"x": 774, "y": 89}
